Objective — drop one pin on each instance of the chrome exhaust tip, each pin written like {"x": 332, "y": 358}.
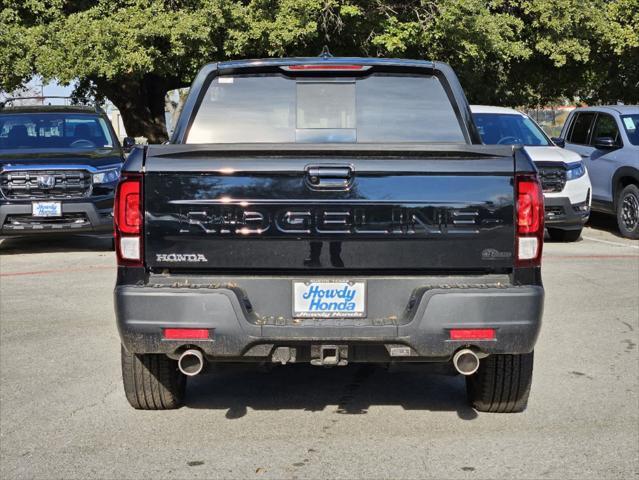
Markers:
{"x": 466, "y": 361}
{"x": 191, "y": 362}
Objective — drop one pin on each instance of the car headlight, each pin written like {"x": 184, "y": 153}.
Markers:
{"x": 107, "y": 176}
{"x": 575, "y": 170}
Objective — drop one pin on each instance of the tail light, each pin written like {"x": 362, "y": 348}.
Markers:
{"x": 530, "y": 221}
{"x": 335, "y": 67}
{"x": 128, "y": 216}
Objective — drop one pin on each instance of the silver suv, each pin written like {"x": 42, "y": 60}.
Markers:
{"x": 607, "y": 138}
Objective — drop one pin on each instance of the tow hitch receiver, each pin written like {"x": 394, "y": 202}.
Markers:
{"x": 329, "y": 355}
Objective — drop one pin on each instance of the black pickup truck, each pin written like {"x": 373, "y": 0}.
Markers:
{"x": 328, "y": 210}
{"x": 59, "y": 167}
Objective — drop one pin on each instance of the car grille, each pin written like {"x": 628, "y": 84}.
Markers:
{"x": 553, "y": 178}
{"x": 28, "y": 185}
{"x": 69, "y": 221}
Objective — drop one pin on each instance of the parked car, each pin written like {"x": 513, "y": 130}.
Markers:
{"x": 607, "y": 138}
{"x": 328, "y": 210}
{"x": 59, "y": 166}
{"x": 564, "y": 178}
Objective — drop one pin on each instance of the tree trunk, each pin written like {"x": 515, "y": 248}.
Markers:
{"x": 141, "y": 104}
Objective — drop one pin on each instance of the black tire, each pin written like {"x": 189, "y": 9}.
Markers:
{"x": 152, "y": 382}
{"x": 560, "y": 235}
{"x": 502, "y": 383}
{"x": 628, "y": 211}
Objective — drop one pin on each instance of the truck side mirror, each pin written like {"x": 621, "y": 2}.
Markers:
{"x": 605, "y": 143}
{"x": 127, "y": 144}
{"x": 560, "y": 142}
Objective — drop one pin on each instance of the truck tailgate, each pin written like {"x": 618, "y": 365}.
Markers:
{"x": 329, "y": 208}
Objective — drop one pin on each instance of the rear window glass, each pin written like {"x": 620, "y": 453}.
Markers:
{"x": 53, "y": 130}
{"x": 278, "y": 109}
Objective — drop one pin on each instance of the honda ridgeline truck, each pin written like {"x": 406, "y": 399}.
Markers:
{"x": 328, "y": 210}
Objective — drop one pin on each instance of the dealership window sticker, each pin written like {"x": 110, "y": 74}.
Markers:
{"x": 630, "y": 125}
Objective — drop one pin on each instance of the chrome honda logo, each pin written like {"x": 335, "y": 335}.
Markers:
{"x": 46, "y": 181}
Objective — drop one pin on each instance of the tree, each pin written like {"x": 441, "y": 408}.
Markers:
{"x": 133, "y": 52}
{"x": 130, "y": 52}
{"x": 514, "y": 52}
{"x": 616, "y": 61}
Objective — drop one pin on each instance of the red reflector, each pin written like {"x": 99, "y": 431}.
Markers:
{"x": 472, "y": 334}
{"x": 326, "y": 67}
{"x": 529, "y": 206}
{"x": 186, "y": 334}
{"x": 128, "y": 210}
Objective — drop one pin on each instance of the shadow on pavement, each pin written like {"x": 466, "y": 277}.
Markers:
{"x": 547, "y": 239}
{"x": 602, "y": 221}
{"x": 346, "y": 390}
{"x": 53, "y": 244}
{"x": 597, "y": 221}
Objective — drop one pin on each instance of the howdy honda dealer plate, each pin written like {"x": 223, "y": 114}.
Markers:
{"x": 47, "y": 209}
{"x": 328, "y": 299}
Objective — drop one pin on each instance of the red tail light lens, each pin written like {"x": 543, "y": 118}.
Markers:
{"x": 128, "y": 216}
{"x": 329, "y": 68}
{"x": 530, "y": 220}
{"x": 128, "y": 212}
{"x": 529, "y": 206}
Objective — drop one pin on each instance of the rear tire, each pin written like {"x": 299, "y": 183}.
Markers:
{"x": 628, "y": 212}
{"x": 502, "y": 383}
{"x": 560, "y": 235}
{"x": 152, "y": 382}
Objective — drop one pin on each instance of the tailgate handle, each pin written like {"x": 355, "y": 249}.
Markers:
{"x": 335, "y": 178}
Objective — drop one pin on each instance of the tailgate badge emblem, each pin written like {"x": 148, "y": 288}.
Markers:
{"x": 492, "y": 254}
{"x": 180, "y": 257}
{"x": 46, "y": 181}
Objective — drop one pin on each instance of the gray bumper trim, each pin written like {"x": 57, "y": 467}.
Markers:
{"x": 514, "y": 311}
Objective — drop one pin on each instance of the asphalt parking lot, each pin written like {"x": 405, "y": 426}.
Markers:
{"x": 63, "y": 413}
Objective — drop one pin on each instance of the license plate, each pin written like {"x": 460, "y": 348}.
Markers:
{"x": 47, "y": 209}
{"x": 327, "y": 299}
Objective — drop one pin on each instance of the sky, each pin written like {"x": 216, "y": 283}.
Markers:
{"x": 51, "y": 88}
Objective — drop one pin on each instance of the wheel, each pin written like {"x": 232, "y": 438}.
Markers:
{"x": 628, "y": 211}
{"x": 502, "y": 383}
{"x": 152, "y": 382}
{"x": 560, "y": 235}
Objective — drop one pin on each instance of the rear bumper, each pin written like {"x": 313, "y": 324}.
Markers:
{"x": 77, "y": 217}
{"x": 238, "y": 333}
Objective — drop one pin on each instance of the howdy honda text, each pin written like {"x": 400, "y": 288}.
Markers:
{"x": 328, "y": 299}
{"x": 225, "y": 220}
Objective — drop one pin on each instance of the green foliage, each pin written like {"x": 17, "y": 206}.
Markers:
{"x": 517, "y": 52}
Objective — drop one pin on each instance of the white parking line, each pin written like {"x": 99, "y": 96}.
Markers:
{"x": 618, "y": 244}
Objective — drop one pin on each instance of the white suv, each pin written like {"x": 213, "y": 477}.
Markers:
{"x": 564, "y": 179}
